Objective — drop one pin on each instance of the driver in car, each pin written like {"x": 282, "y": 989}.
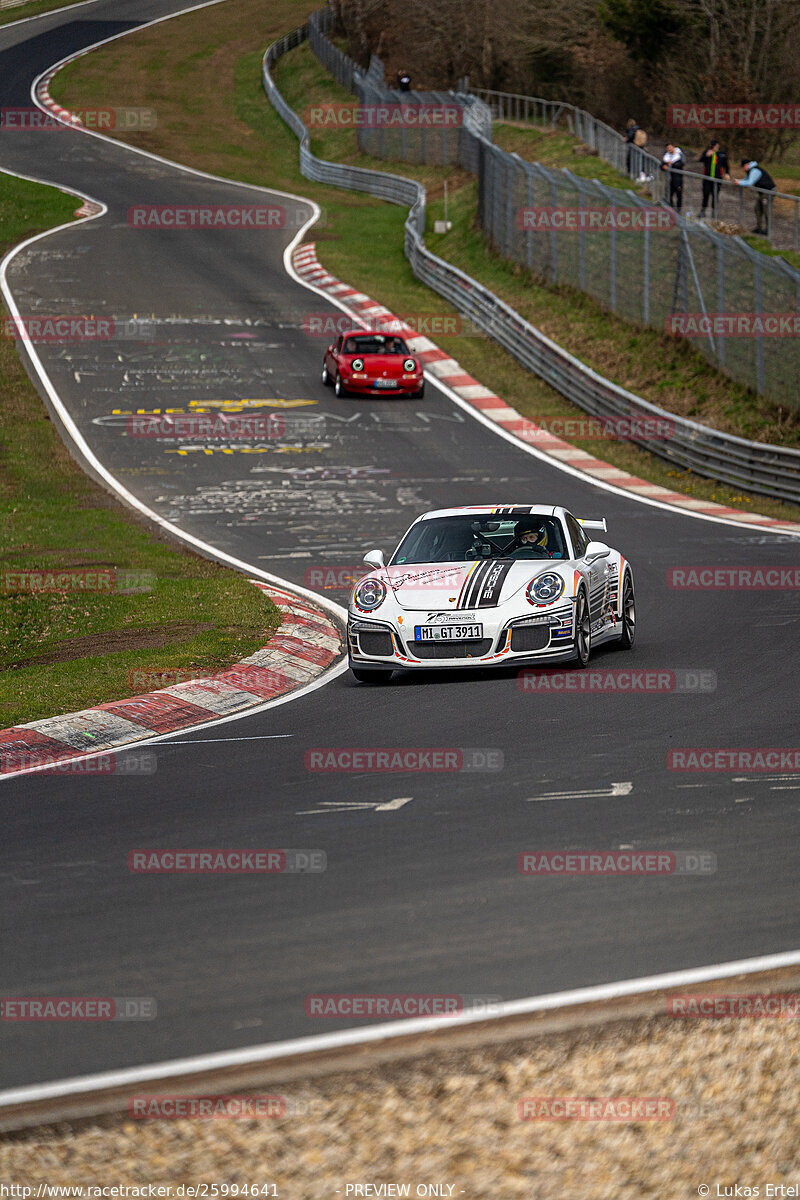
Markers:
{"x": 530, "y": 541}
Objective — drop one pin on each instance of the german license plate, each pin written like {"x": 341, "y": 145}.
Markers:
{"x": 386, "y": 383}
{"x": 447, "y": 633}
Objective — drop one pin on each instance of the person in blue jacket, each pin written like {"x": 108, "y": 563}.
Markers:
{"x": 757, "y": 177}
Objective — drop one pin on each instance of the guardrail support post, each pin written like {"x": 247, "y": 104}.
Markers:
{"x": 612, "y": 261}
{"x": 720, "y": 300}
{"x": 529, "y": 234}
{"x": 553, "y": 237}
{"x": 759, "y": 293}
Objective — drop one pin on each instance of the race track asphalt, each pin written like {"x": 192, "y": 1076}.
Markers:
{"x": 426, "y": 897}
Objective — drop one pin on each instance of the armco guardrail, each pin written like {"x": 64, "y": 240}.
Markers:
{"x": 769, "y": 470}
{"x": 394, "y": 188}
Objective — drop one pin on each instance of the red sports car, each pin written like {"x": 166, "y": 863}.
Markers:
{"x": 372, "y": 364}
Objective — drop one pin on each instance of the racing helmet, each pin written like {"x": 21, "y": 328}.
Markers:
{"x": 534, "y": 525}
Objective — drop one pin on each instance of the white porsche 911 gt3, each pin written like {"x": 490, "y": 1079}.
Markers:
{"x": 490, "y": 587}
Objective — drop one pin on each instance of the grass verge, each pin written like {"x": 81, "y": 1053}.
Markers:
{"x": 212, "y": 114}
{"x": 61, "y": 651}
{"x": 20, "y": 13}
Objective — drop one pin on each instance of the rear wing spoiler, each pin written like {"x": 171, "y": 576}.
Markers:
{"x": 599, "y": 524}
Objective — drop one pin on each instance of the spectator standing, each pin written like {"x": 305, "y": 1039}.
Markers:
{"x": 759, "y": 178}
{"x": 640, "y": 142}
{"x": 715, "y": 168}
{"x": 404, "y": 81}
{"x": 631, "y": 130}
{"x": 673, "y": 162}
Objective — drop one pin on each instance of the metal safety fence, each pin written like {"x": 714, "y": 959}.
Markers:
{"x": 698, "y": 197}
{"x": 770, "y": 470}
{"x": 649, "y": 266}
{"x": 645, "y": 263}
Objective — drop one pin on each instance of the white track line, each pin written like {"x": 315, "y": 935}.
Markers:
{"x": 51, "y": 12}
{"x": 248, "y": 1055}
{"x": 110, "y": 480}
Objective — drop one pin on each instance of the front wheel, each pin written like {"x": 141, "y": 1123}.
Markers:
{"x": 374, "y": 677}
{"x": 339, "y": 387}
{"x": 583, "y": 636}
{"x": 628, "y": 615}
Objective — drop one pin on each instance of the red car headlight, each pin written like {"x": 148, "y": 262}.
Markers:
{"x": 357, "y": 364}
{"x": 409, "y": 365}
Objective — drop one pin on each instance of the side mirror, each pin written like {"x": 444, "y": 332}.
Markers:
{"x": 374, "y": 558}
{"x": 596, "y": 550}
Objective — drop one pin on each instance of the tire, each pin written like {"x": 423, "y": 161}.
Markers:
{"x": 583, "y": 637}
{"x": 373, "y": 677}
{"x": 628, "y": 614}
{"x": 339, "y": 387}
{"x": 326, "y": 379}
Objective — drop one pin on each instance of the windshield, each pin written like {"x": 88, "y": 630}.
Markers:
{"x": 467, "y": 537}
{"x": 374, "y": 344}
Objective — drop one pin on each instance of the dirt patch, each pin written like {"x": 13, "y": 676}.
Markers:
{"x": 115, "y": 641}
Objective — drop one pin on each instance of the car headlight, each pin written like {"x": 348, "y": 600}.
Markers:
{"x": 546, "y": 588}
{"x": 369, "y": 594}
{"x": 409, "y": 365}
{"x": 357, "y": 364}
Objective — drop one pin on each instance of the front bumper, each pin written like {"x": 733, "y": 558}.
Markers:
{"x": 367, "y": 387}
{"x": 518, "y": 640}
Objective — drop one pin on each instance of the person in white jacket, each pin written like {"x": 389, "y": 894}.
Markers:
{"x": 674, "y": 162}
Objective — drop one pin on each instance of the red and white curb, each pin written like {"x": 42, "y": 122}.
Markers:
{"x": 89, "y": 208}
{"x": 306, "y": 644}
{"x": 471, "y": 391}
{"x": 43, "y": 95}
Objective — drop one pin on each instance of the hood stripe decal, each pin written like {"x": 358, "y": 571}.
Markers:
{"x": 487, "y": 583}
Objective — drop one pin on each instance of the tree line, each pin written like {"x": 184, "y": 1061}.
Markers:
{"x": 616, "y": 58}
